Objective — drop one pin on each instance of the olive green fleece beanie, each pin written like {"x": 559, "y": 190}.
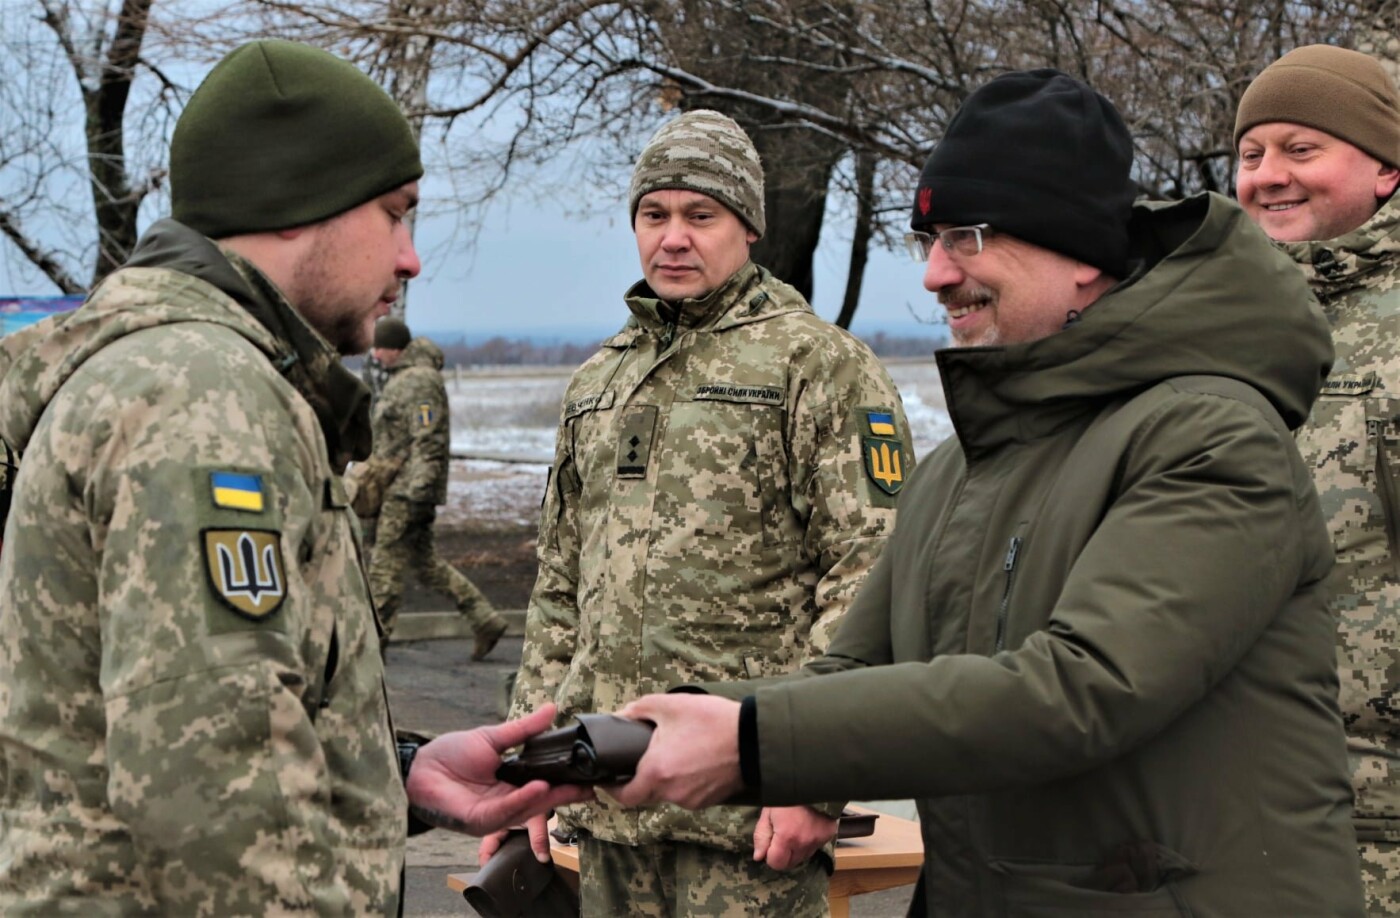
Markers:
{"x": 392, "y": 334}
{"x": 282, "y": 134}
{"x": 1343, "y": 93}
{"x": 706, "y": 152}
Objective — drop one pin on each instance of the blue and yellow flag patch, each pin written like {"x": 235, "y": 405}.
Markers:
{"x": 426, "y": 415}
{"x": 881, "y": 424}
{"x": 236, "y": 491}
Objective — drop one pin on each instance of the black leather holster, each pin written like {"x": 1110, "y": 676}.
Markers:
{"x": 514, "y": 883}
{"x": 597, "y": 749}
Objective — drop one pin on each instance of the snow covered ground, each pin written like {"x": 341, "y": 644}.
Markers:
{"x": 513, "y": 411}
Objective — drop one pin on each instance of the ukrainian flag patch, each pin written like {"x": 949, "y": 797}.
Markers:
{"x": 426, "y": 415}
{"x": 881, "y": 424}
{"x": 237, "y": 491}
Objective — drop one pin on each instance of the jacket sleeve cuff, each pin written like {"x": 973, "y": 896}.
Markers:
{"x": 749, "y": 767}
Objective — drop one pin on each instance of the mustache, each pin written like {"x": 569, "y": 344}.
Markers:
{"x": 965, "y": 294}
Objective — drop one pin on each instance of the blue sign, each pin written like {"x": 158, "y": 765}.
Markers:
{"x": 19, "y": 311}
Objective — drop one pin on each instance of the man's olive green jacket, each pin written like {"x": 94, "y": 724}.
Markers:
{"x": 1096, "y": 647}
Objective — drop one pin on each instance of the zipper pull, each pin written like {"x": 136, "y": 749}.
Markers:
{"x": 668, "y": 335}
{"x": 1011, "y": 551}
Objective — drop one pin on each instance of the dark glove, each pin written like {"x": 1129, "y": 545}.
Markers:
{"x": 598, "y": 749}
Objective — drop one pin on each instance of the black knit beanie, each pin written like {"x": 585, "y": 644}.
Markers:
{"x": 1040, "y": 156}
{"x": 282, "y": 134}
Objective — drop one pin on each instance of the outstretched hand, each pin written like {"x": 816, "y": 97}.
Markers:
{"x": 452, "y": 784}
{"x": 693, "y": 757}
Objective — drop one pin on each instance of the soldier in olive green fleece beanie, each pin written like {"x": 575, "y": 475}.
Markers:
{"x": 1343, "y": 93}
{"x": 282, "y": 134}
{"x": 706, "y": 152}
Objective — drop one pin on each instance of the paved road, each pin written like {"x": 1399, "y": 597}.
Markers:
{"x": 434, "y": 686}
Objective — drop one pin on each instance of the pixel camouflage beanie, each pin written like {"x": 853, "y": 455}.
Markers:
{"x": 282, "y": 134}
{"x": 705, "y": 152}
{"x": 1343, "y": 93}
{"x": 391, "y": 333}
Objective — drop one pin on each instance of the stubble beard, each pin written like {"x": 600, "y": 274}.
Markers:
{"x": 345, "y": 325}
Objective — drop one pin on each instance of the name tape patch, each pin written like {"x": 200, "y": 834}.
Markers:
{"x": 752, "y": 395}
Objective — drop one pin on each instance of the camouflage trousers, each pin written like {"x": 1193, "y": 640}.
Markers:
{"x": 403, "y": 539}
{"x": 678, "y": 879}
{"x": 1380, "y": 872}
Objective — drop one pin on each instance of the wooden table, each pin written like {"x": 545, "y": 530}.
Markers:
{"x": 889, "y": 858}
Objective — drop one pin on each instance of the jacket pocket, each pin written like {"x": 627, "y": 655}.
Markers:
{"x": 1137, "y": 878}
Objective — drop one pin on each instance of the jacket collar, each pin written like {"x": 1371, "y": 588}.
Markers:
{"x": 307, "y": 361}
{"x": 1353, "y": 259}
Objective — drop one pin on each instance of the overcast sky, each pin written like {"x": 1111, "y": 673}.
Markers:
{"x": 536, "y": 271}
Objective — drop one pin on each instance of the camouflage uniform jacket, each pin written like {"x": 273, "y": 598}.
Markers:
{"x": 192, "y": 708}
{"x": 710, "y": 515}
{"x": 1352, "y": 442}
{"x": 412, "y": 423}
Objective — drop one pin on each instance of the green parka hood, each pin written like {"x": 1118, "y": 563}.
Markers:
{"x": 1213, "y": 295}
{"x": 171, "y": 261}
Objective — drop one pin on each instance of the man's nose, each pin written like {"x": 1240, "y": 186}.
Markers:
{"x": 941, "y": 270}
{"x": 1272, "y": 169}
{"x": 408, "y": 264}
{"x": 677, "y": 235}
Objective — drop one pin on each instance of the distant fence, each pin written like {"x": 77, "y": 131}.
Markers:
{"x": 19, "y": 311}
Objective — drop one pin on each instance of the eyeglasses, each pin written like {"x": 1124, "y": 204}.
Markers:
{"x": 960, "y": 240}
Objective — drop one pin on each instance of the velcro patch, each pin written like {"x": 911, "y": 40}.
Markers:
{"x": 600, "y": 402}
{"x": 426, "y": 415}
{"x": 1349, "y": 385}
{"x": 884, "y": 463}
{"x": 245, "y": 570}
{"x": 634, "y": 441}
{"x": 881, "y": 423}
{"x": 750, "y": 395}
{"x": 236, "y": 491}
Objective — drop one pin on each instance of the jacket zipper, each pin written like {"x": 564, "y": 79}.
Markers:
{"x": 1385, "y": 480}
{"x": 1013, "y": 553}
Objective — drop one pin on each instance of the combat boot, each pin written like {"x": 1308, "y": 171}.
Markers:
{"x": 487, "y": 637}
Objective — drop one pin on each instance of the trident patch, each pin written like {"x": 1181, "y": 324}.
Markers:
{"x": 245, "y": 569}
{"x": 884, "y": 463}
{"x": 425, "y": 414}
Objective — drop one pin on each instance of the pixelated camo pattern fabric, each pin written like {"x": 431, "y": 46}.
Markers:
{"x": 709, "y": 516}
{"x": 412, "y": 424}
{"x": 1352, "y": 441}
{"x": 175, "y": 738}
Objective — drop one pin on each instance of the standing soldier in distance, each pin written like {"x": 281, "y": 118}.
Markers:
{"x": 1318, "y": 135}
{"x": 412, "y": 433}
{"x": 725, "y": 475}
{"x": 192, "y": 703}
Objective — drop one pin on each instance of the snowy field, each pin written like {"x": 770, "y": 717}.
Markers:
{"x": 513, "y": 411}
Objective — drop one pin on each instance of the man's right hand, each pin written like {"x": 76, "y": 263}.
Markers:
{"x": 538, "y": 827}
{"x": 453, "y": 785}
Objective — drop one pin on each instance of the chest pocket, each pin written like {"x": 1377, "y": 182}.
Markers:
{"x": 593, "y": 442}
{"x": 1352, "y": 446}
{"x": 724, "y": 465}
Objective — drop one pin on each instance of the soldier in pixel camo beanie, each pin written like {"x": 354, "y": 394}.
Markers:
{"x": 705, "y": 152}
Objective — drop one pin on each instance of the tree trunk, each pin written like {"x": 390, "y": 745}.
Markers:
{"x": 115, "y": 202}
{"x": 860, "y": 241}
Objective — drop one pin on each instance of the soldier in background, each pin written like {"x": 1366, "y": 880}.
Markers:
{"x": 412, "y": 447}
{"x": 725, "y": 475}
{"x": 1318, "y": 133}
{"x": 192, "y": 701}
